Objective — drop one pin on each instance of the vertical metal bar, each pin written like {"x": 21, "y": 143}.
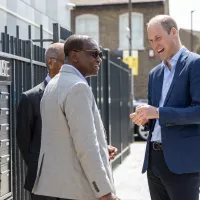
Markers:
{"x": 34, "y": 51}
{"x": 19, "y": 47}
{"x": 6, "y": 30}
{"x": 14, "y": 146}
{"x": 11, "y": 44}
{"x": 56, "y": 32}
{"x": 31, "y": 62}
{"x": 28, "y": 68}
{"x": 38, "y": 53}
{"x": 130, "y": 25}
{"x": 18, "y": 163}
{"x": 130, "y": 43}
{"x": 102, "y": 103}
{"x": 89, "y": 81}
{"x": 23, "y": 49}
{"x": 108, "y": 94}
{"x": 43, "y": 55}
{"x": 17, "y": 31}
{"x": 29, "y": 32}
{"x": 16, "y": 46}
{"x": 120, "y": 112}
{"x": 105, "y": 91}
{"x": 41, "y": 36}
{"x": 7, "y": 37}
{"x": 11, "y": 133}
{"x": 98, "y": 86}
{"x": 3, "y": 35}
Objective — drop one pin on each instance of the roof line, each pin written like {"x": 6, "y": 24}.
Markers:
{"x": 113, "y": 4}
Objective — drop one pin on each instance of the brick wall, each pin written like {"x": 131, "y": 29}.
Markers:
{"x": 109, "y": 34}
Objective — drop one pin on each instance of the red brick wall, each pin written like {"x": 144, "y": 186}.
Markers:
{"x": 109, "y": 35}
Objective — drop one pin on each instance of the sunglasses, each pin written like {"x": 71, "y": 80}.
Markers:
{"x": 93, "y": 53}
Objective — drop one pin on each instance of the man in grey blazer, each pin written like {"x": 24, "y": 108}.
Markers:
{"x": 74, "y": 159}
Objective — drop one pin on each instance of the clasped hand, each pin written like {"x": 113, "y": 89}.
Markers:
{"x": 143, "y": 113}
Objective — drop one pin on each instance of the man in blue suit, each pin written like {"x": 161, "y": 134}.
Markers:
{"x": 172, "y": 158}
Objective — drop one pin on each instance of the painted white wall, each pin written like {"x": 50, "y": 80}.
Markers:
{"x": 34, "y": 12}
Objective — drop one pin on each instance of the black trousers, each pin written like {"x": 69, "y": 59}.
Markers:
{"x": 165, "y": 185}
{"x": 39, "y": 197}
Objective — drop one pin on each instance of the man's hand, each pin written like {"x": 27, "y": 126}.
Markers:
{"x": 112, "y": 152}
{"x": 109, "y": 196}
{"x": 137, "y": 121}
{"x": 146, "y": 112}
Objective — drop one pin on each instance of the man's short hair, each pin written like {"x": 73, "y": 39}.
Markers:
{"x": 75, "y": 42}
{"x": 166, "y": 21}
{"x": 52, "y": 51}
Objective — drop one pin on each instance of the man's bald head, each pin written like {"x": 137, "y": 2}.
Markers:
{"x": 76, "y": 42}
{"x": 53, "y": 51}
{"x": 166, "y": 21}
{"x": 54, "y": 58}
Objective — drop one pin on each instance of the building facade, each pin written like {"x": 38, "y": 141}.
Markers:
{"x": 108, "y": 24}
{"x": 34, "y": 13}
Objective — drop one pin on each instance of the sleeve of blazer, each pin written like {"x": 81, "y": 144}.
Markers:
{"x": 78, "y": 110}
{"x": 188, "y": 115}
{"x": 24, "y": 126}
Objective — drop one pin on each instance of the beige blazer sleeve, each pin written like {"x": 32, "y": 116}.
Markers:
{"x": 78, "y": 110}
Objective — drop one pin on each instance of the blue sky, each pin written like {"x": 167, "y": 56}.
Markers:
{"x": 181, "y": 11}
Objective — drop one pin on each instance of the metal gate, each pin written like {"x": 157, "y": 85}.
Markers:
{"x": 27, "y": 69}
{"x": 5, "y": 130}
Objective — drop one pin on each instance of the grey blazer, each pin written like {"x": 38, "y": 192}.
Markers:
{"x": 74, "y": 160}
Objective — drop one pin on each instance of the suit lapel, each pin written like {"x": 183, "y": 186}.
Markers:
{"x": 179, "y": 66}
{"x": 158, "y": 84}
{"x": 42, "y": 88}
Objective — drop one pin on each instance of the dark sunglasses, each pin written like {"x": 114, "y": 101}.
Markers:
{"x": 93, "y": 53}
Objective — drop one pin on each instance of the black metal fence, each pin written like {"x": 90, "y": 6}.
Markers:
{"x": 111, "y": 89}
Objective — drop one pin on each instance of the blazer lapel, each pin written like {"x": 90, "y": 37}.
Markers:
{"x": 42, "y": 88}
{"x": 158, "y": 85}
{"x": 179, "y": 66}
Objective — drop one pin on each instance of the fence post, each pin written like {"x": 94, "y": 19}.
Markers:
{"x": 56, "y": 32}
{"x": 3, "y": 38}
{"x": 41, "y": 36}
{"x": 29, "y": 47}
{"x": 107, "y": 96}
{"x": 31, "y": 62}
{"x": 120, "y": 110}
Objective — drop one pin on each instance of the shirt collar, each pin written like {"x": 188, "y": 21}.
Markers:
{"x": 175, "y": 58}
{"x": 48, "y": 78}
{"x": 78, "y": 72}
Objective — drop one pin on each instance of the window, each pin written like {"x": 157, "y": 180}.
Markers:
{"x": 137, "y": 31}
{"x": 88, "y": 24}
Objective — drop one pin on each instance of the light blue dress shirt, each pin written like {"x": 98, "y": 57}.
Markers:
{"x": 78, "y": 73}
{"x": 167, "y": 80}
{"x": 48, "y": 78}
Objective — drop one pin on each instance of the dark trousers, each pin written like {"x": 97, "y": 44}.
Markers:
{"x": 39, "y": 197}
{"x": 165, "y": 185}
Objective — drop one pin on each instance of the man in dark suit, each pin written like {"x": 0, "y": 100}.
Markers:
{"x": 173, "y": 116}
{"x": 29, "y": 119}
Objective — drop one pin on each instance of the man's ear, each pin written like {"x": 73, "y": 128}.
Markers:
{"x": 74, "y": 56}
{"x": 49, "y": 61}
{"x": 174, "y": 31}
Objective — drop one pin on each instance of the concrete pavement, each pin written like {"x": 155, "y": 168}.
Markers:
{"x": 130, "y": 183}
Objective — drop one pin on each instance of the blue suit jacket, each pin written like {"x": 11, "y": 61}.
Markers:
{"x": 180, "y": 115}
